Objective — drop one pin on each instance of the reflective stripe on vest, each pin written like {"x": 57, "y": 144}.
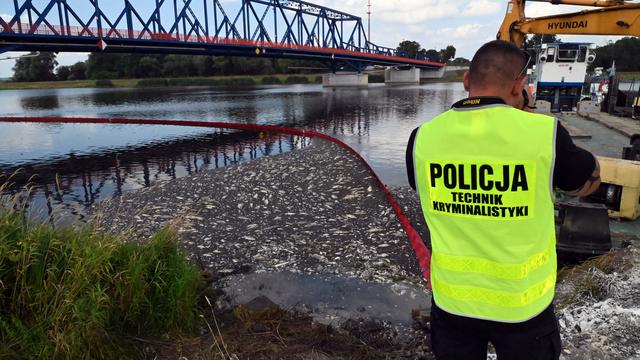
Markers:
{"x": 484, "y": 177}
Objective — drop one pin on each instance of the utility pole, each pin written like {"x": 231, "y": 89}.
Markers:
{"x": 369, "y": 24}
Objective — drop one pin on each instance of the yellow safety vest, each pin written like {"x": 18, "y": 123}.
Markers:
{"x": 484, "y": 176}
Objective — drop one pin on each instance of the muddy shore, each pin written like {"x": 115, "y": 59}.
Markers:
{"x": 318, "y": 212}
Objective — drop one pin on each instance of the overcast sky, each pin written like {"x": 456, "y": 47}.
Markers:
{"x": 465, "y": 24}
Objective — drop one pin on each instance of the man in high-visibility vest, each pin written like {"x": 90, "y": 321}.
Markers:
{"x": 485, "y": 172}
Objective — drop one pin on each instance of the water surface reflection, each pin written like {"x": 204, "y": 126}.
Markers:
{"x": 78, "y": 164}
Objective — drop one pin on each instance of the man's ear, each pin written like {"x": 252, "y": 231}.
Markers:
{"x": 466, "y": 80}
{"x": 516, "y": 90}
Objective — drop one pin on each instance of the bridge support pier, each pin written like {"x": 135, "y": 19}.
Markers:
{"x": 432, "y": 74}
{"x": 345, "y": 79}
{"x": 402, "y": 76}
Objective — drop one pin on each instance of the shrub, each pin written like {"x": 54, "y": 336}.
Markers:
{"x": 77, "y": 293}
{"x": 238, "y": 82}
{"x": 271, "y": 80}
{"x": 104, "y": 83}
{"x": 297, "y": 80}
{"x": 194, "y": 82}
{"x": 153, "y": 83}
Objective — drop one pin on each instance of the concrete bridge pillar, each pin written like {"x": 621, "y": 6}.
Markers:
{"x": 396, "y": 76}
{"x": 345, "y": 79}
{"x": 432, "y": 74}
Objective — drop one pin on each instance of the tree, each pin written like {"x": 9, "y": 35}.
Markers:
{"x": 539, "y": 39}
{"x": 104, "y": 66}
{"x": 148, "y": 66}
{"x": 78, "y": 71}
{"x": 35, "y": 67}
{"x": 625, "y": 52}
{"x": 63, "y": 73}
{"x": 409, "y": 48}
{"x": 432, "y": 55}
{"x": 447, "y": 53}
{"x": 460, "y": 61}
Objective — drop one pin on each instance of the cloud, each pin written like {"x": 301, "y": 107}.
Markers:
{"x": 7, "y": 18}
{"x": 482, "y": 8}
{"x": 537, "y": 9}
{"x": 399, "y": 11}
{"x": 66, "y": 59}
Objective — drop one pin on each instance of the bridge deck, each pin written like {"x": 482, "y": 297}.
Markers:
{"x": 78, "y": 39}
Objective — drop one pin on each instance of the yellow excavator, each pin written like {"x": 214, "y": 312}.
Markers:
{"x": 584, "y": 226}
{"x": 610, "y": 17}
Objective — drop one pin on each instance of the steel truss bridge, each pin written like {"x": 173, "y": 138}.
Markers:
{"x": 260, "y": 28}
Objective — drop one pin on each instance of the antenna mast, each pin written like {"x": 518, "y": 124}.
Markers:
{"x": 369, "y": 24}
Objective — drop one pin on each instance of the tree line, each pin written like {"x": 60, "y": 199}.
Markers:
{"x": 43, "y": 67}
{"x": 413, "y": 49}
{"x": 625, "y": 52}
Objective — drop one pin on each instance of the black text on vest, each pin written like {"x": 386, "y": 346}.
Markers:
{"x": 479, "y": 190}
{"x": 479, "y": 177}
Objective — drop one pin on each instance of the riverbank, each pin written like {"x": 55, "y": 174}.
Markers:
{"x": 315, "y": 220}
{"x": 449, "y": 77}
{"x": 157, "y": 82}
{"x": 317, "y": 212}
{"x": 227, "y": 81}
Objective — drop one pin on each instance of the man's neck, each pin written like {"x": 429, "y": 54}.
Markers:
{"x": 489, "y": 93}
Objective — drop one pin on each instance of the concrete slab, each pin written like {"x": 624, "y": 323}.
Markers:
{"x": 544, "y": 107}
{"x": 345, "y": 79}
{"x": 433, "y": 74}
{"x": 575, "y": 132}
{"x": 625, "y": 126}
{"x": 402, "y": 76}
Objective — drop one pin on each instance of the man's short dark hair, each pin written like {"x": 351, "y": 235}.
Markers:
{"x": 496, "y": 63}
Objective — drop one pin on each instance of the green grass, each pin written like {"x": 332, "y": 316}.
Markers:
{"x": 271, "y": 80}
{"x": 450, "y": 76}
{"x": 628, "y": 76}
{"x": 153, "y": 82}
{"x": 80, "y": 294}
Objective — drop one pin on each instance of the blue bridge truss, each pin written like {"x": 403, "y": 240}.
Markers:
{"x": 263, "y": 28}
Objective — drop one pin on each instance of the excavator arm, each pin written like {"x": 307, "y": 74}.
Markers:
{"x": 610, "y": 18}
{"x": 621, "y": 178}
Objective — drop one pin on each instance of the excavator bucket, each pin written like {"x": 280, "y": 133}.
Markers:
{"x": 583, "y": 231}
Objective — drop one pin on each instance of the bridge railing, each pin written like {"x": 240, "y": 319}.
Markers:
{"x": 282, "y": 23}
{"x": 116, "y": 34}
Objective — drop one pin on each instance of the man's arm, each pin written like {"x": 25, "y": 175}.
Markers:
{"x": 409, "y": 160}
{"x": 591, "y": 185}
{"x": 577, "y": 171}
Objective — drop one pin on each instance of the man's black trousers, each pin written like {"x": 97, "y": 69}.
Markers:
{"x": 457, "y": 337}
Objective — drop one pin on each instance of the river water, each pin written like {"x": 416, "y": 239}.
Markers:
{"x": 77, "y": 165}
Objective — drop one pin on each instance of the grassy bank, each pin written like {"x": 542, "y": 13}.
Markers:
{"x": 223, "y": 81}
{"x": 451, "y": 76}
{"x": 79, "y": 294}
{"x": 196, "y": 81}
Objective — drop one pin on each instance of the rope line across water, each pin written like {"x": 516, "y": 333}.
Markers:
{"x": 421, "y": 251}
